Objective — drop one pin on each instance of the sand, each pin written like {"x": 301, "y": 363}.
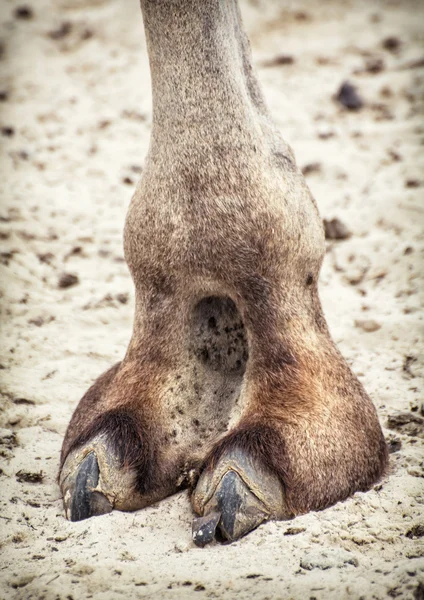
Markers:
{"x": 75, "y": 121}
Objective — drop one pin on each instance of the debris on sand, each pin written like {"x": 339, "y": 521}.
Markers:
{"x": 67, "y": 280}
{"x": 314, "y": 167}
{"x": 335, "y": 230}
{"x": 28, "y": 477}
{"x": 348, "y": 96}
{"x": 25, "y": 13}
{"x": 391, "y": 43}
{"x": 417, "y": 531}
{"x": 294, "y": 530}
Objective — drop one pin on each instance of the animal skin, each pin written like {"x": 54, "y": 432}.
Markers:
{"x": 231, "y": 384}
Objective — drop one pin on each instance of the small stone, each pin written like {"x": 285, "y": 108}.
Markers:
{"x": 122, "y": 298}
{"x": 391, "y": 43}
{"x": 412, "y": 183}
{"x": 368, "y": 325}
{"x": 336, "y": 230}
{"x": 294, "y": 530}
{"x": 67, "y": 280}
{"x": 314, "y": 167}
{"x": 25, "y": 13}
{"x": 8, "y": 131}
{"x": 349, "y": 96}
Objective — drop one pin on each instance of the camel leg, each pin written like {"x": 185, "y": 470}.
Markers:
{"x": 231, "y": 369}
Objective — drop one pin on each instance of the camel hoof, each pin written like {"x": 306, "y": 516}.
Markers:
{"x": 93, "y": 481}
{"x": 81, "y": 498}
{"x": 234, "y": 498}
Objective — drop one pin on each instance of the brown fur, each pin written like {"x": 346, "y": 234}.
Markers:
{"x": 222, "y": 212}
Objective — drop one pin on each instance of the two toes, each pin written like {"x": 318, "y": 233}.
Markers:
{"x": 232, "y": 497}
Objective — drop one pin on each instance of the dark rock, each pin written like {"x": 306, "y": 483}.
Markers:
{"x": 412, "y": 183}
{"x": 294, "y": 530}
{"x": 25, "y": 13}
{"x": 8, "y": 131}
{"x": 336, "y": 230}
{"x": 349, "y": 97}
{"x": 391, "y": 43}
{"x": 314, "y": 167}
{"x": 67, "y": 280}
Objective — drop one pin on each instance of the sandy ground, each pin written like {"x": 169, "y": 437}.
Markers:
{"x": 75, "y": 121}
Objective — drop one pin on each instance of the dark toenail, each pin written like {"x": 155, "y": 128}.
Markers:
{"x": 203, "y": 528}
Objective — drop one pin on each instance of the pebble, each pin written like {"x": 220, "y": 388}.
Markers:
{"x": 349, "y": 96}
{"x": 335, "y": 230}
{"x": 67, "y": 280}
